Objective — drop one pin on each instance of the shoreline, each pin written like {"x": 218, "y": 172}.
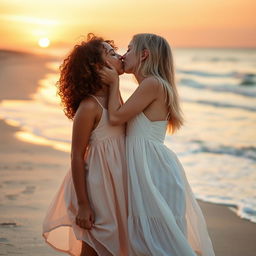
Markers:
{"x": 231, "y": 235}
{"x": 20, "y": 73}
{"x": 31, "y": 175}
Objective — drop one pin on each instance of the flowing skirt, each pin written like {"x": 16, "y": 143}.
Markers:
{"x": 164, "y": 217}
{"x": 107, "y": 191}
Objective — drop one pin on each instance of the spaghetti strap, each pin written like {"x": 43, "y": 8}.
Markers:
{"x": 97, "y": 100}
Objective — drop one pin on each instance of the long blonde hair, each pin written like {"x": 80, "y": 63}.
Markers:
{"x": 159, "y": 64}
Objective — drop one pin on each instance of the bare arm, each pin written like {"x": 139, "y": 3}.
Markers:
{"x": 82, "y": 127}
{"x": 143, "y": 96}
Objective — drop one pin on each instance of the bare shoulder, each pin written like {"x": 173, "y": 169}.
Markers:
{"x": 151, "y": 83}
{"x": 87, "y": 107}
{"x": 88, "y": 104}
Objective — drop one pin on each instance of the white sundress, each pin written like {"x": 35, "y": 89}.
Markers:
{"x": 164, "y": 218}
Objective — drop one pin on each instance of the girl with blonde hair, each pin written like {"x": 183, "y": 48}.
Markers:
{"x": 163, "y": 216}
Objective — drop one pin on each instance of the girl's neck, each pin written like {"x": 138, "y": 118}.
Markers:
{"x": 139, "y": 78}
{"x": 102, "y": 92}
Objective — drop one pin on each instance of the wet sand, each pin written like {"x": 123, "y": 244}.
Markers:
{"x": 19, "y": 74}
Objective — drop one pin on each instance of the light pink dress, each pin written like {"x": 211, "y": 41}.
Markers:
{"x": 106, "y": 183}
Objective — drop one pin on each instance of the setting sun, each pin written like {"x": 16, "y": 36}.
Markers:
{"x": 44, "y": 42}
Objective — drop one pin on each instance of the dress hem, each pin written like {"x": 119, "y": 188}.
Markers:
{"x": 68, "y": 252}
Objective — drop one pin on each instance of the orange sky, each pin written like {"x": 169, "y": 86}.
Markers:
{"x": 185, "y": 23}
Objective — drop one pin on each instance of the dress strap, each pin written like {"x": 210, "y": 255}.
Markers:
{"x": 97, "y": 100}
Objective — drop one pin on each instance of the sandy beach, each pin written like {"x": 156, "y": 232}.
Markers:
{"x": 31, "y": 175}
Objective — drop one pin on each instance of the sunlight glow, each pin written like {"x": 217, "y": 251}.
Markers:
{"x": 28, "y": 19}
{"x": 44, "y": 42}
{"x": 192, "y": 23}
{"x": 34, "y": 139}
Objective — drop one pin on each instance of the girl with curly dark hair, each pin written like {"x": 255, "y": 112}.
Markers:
{"x": 88, "y": 215}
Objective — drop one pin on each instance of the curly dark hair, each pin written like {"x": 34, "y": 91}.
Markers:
{"x": 79, "y": 75}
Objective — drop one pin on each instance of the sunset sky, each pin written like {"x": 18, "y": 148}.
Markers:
{"x": 185, "y": 23}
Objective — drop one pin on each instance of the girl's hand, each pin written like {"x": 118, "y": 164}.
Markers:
{"x": 109, "y": 74}
{"x": 85, "y": 217}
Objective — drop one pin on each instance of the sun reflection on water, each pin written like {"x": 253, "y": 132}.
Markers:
{"x": 31, "y": 138}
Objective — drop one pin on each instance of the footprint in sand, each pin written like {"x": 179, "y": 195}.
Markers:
{"x": 29, "y": 190}
{"x": 3, "y": 240}
{"x": 12, "y": 196}
{"x": 8, "y": 224}
{"x": 20, "y": 166}
{"x": 3, "y": 167}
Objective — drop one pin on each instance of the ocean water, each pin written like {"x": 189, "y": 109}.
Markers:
{"x": 217, "y": 145}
